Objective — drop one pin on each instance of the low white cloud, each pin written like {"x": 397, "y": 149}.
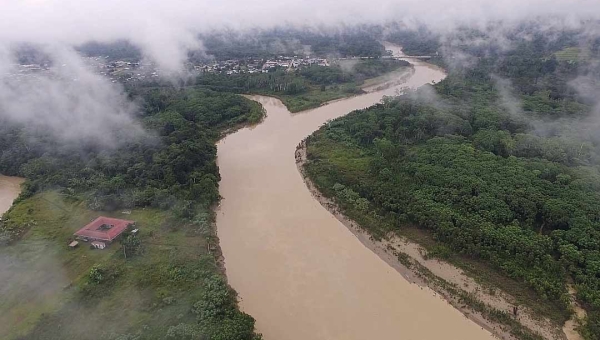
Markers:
{"x": 165, "y": 31}
{"x": 70, "y": 102}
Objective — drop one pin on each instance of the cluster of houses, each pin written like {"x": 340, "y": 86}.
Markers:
{"x": 123, "y": 71}
{"x": 230, "y": 67}
{"x": 126, "y": 71}
{"x": 115, "y": 71}
{"x": 19, "y": 71}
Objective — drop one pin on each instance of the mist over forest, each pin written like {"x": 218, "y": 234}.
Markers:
{"x": 499, "y": 163}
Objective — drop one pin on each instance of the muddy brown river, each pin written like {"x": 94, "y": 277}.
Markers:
{"x": 298, "y": 270}
{"x": 10, "y": 188}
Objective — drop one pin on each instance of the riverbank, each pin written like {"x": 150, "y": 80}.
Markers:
{"x": 172, "y": 273}
{"x": 394, "y": 78}
{"x": 10, "y": 188}
{"x": 47, "y": 287}
{"x": 317, "y": 97}
{"x": 489, "y": 308}
{"x": 298, "y": 271}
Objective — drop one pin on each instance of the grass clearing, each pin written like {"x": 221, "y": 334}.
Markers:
{"x": 317, "y": 96}
{"x": 47, "y": 286}
{"x": 572, "y": 54}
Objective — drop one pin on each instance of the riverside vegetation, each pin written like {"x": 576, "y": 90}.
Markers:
{"x": 305, "y": 88}
{"x": 466, "y": 173}
{"x": 299, "y": 90}
{"x": 494, "y": 168}
{"x": 170, "y": 285}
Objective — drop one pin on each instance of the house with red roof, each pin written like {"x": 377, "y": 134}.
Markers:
{"x": 104, "y": 229}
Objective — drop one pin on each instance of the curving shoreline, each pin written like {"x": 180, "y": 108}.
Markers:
{"x": 427, "y": 273}
{"x": 298, "y": 271}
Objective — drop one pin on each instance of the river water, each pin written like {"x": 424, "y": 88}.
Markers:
{"x": 10, "y": 188}
{"x": 299, "y": 271}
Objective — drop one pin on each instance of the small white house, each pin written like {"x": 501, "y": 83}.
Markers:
{"x": 98, "y": 245}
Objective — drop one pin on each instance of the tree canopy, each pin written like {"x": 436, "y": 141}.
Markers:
{"x": 499, "y": 163}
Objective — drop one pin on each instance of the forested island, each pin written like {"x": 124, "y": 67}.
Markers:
{"x": 495, "y": 165}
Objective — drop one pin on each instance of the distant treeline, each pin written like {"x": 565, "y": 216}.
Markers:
{"x": 222, "y": 45}
{"x": 499, "y": 164}
{"x": 418, "y": 41}
{"x": 359, "y": 41}
{"x": 117, "y": 50}
{"x": 26, "y": 54}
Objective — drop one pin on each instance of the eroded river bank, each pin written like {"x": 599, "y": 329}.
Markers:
{"x": 446, "y": 279}
{"x": 299, "y": 271}
{"x": 10, "y": 188}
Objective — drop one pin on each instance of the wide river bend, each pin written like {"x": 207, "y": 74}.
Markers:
{"x": 298, "y": 270}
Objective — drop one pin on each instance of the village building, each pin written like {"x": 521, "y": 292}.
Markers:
{"x": 104, "y": 229}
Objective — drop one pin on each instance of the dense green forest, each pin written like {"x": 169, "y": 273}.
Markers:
{"x": 348, "y": 42}
{"x": 173, "y": 168}
{"x": 168, "y": 181}
{"x": 304, "y": 88}
{"x": 418, "y": 41}
{"x": 498, "y": 164}
{"x": 222, "y": 45}
{"x": 116, "y": 50}
{"x": 31, "y": 54}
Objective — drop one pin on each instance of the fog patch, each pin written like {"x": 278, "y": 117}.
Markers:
{"x": 348, "y": 65}
{"x": 587, "y": 87}
{"x": 507, "y": 99}
{"x": 32, "y": 280}
{"x": 69, "y": 102}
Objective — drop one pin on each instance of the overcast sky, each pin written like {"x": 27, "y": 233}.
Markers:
{"x": 163, "y": 29}
{"x": 166, "y": 29}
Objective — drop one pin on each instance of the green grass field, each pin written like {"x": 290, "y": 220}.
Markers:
{"x": 46, "y": 288}
{"x": 572, "y": 54}
{"x": 316, "y": 97}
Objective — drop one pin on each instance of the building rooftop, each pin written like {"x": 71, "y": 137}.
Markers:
{"x": 104, "y": 228}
